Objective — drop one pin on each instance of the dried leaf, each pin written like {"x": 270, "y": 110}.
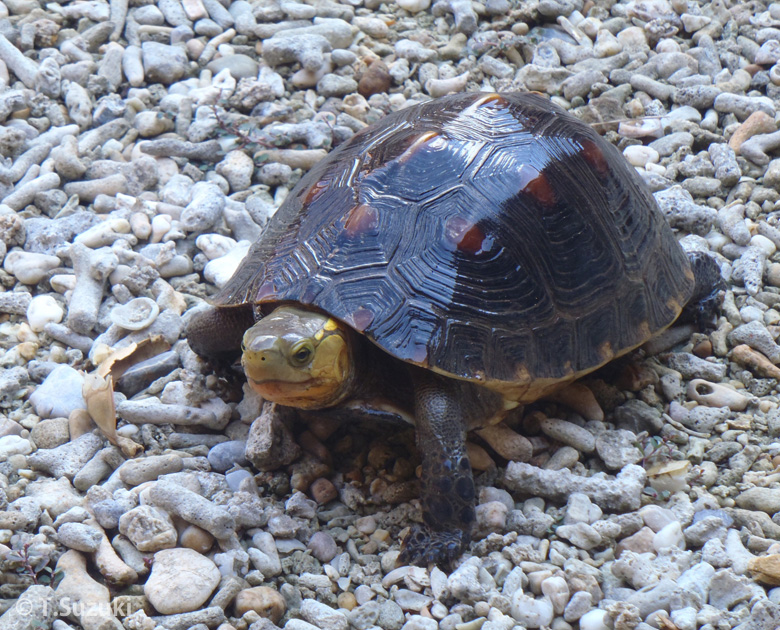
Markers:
{"x": 119, "y": 361}
{"x": 128, "y": 447}
{"x": 667, "y": 624}
{"x": 99, "y": 394}
{"x": 672, "y": 467}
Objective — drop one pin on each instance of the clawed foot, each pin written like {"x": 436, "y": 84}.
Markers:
{"x": 708, "y": 290}
{"x": 423, "y": 546}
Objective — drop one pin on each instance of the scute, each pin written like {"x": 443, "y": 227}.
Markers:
{"x": 489, "y": 237}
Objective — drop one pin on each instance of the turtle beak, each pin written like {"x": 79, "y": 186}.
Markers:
{"x": 262, "y": 356}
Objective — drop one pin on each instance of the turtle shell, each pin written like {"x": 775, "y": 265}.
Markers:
{"x": 490, "y": 237}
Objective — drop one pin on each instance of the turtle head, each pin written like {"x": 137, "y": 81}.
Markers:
{"x": 299, "y": 358}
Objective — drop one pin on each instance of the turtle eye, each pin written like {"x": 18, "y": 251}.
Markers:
{"x": 301, "y": 353}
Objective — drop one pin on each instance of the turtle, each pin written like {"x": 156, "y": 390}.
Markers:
{"x": 450, "y": 262}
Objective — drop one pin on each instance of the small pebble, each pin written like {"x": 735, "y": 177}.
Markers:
{"x": 323, "y": 547}
{"x": 225, "y": 455}
{"x": 43, "y": 309}
{"x": 265, "y": 601}
{"x": 181, "y": 580}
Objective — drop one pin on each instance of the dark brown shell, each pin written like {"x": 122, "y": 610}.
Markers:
{"x": 493, "y": 237}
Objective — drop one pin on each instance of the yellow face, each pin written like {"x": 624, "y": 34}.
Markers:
{"x": 299, "y": 358}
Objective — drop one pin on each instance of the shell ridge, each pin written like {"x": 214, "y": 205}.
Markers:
{"x": 478, "y": 235}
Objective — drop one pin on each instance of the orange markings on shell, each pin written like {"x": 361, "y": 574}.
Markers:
{"x": 418, "y": 143}
{"x": 361, "y": 219}
{"x": 314, "y": 192}
{"x": 594, "y": 156}
{"x": 465, "y": 235}
{"x": 536, "y": 184}
{"x": 490, "y": 99}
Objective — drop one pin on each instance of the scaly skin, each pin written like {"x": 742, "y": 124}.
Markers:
{"x": 703, "y": 304}
{"x": 447, "y": 486}
{"x": 216, "y": 333}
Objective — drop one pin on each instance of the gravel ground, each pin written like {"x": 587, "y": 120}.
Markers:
{"x": 145, "y": 146}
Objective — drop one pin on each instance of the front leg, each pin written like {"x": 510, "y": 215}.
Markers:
{"x": 447, "y": 493}
{"x": 216, "y": 333}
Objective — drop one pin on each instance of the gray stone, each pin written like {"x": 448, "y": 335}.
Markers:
{"x": 391, "y": 616}
{"x": 578, "y": 605}
{"x": 671, "y": 142}
{"x": 109, "y": 511}
{"x": 35, "y": 608}
{"x": 306, "y": 48}
{"x": 204, "y": 209}
{"x": 181, "y": 581}
{"x": 236, "y": 477}
{"x": 697, "y": 579}
{"x": 622, "y": 493}
{"x": 691, "y": 366}
{"x": 336, "y": 85}
{"x": 212, "y": 617}
{"x": 323, "y": 547}
{"x": 80, "y": 536}
{"x": 134, "y": 472}
{"x": 270, "y": 444}
{"x": 50, "y": 433}
{"x": 413, "y": 51}
{"x": 763, "y": 499}
{"x": 703, "y": 419}
{"x": 323, "y": 616}
{"x": 163, "y": 63}
{"x": 618, "y": 448}
{"x": 758, "y": 337}
{"x": 569, "y": 433}
{"x": 240, "y": 66}
{"x": 148, "y": 528}
{"x": 764, "y": 614}
{"x": 725, "y": 161}
{"x": 66, "y": 460}
{"x": 742, "y": 106}
{"x": 654, "y": 597}
{"x": 637, "y": 416}
{"x": 581, "y": 535}
{"x": 580, "y": 509}
{"x": 714, "y": 554}
{"x": 727, "y": 589}
{"x": 225, "y": 455}
{"x": 193, "y": 508}
{"x": 59, "y": 394}
{"x": 464, "y": 583}
{"x": 705, "y": 529}
{"x": 364, "y": 616}
{"x": 683, "y": 212}
{"x": 418, "y": 622}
